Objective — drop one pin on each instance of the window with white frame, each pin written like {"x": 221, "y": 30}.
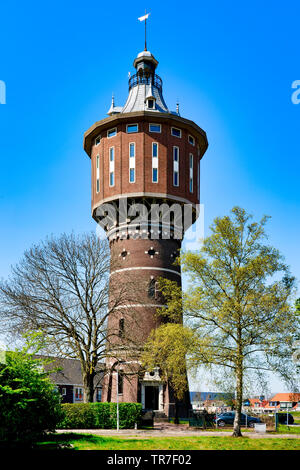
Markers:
{"x": 64, "y": 391}
{"x": 154, "y": 162}
{"x": 112, "y": 132}
{"x": 98, "y": 394}
{"x": 191, "y": 140}
{"x": 131, "y": 128}
{"x": 155, "y": 128}
{"x": 97, "y": 173}
{"x": 97, "y": 140}
{"x": 132, "y": 162}
{"x": 175, "y": 166}
{"x": 191, "y": 172}
{"x": 150, "y": 103}
{"x": 111, "y": 166}
{"x": 78, "y": 394}
{"x": 176, "y": 132}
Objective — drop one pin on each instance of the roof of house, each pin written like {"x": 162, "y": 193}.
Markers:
{"x": 254, "y": 401}
{"x": 70, "y": 373}
{"x": 289, "y": 396}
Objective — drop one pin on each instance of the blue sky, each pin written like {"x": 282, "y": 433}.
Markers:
{"x": 231, "y": 66}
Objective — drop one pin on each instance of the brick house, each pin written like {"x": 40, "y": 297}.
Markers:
{"x": 279, "y": 402}
{"x": 68, "y": 379}
{"x": 284, "y": 401}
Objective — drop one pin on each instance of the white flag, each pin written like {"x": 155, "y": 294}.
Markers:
{"x": 142, "y": 18}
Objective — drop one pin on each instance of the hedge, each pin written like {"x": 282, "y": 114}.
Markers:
{"x": 99, "y": 415}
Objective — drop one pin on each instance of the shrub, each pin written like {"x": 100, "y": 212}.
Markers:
{"x": 100, "y": 415}
{"x": 269, "y": 421}
{"x": 77, "y": 416}
{"x": 29, "y": 404}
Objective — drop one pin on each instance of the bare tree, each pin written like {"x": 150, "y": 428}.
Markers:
{"x": 61, "y": 287}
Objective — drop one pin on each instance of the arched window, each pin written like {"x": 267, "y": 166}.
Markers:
{"x": 121, "y": 327}
{"x": 153, "y": 290}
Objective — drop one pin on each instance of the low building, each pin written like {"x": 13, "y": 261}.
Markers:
{"x": 213, "y": 402}
{"x": 67, "y": 378}
{"x": 256, "y": 405}
{"x": 279, "y": 402}
{"x": 286, "y": 401}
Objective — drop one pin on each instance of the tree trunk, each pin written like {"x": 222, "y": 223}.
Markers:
{"x": 238, "y": 404}
{"x": 109, "y": 387}
{"x": 88, "y": 383}
{"x": 176, "y": 418}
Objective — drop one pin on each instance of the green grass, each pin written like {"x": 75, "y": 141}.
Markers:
{"x": 92, "y": 442}
{"x": 284, "y": 429}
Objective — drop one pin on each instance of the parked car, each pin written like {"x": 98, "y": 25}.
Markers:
{"x": 285, "y": 418}
{"x": 224, "y": 419}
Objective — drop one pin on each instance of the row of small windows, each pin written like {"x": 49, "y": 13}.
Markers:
{"x": 132, "y": 153}
{"x": 133, "y": 128}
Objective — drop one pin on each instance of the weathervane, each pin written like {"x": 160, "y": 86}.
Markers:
{"x": 144, "y": 18}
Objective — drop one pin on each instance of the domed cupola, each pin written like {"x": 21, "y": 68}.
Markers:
{"x": 145, "y": 86}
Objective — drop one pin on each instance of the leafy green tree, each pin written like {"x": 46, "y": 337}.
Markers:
{"x": 29, "y": 404}
{"x": 237, "y": 310}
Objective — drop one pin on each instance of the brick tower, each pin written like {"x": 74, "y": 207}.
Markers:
{"x": 144, "y": 157}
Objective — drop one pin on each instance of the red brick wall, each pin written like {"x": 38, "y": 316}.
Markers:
{"x": 143, "y": 178}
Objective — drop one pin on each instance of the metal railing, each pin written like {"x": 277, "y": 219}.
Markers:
{"x": 152, "y": 79}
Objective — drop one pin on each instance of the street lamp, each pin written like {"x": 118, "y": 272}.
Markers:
{"x": 118, "y": 419}
{"x": 117, "y": 399}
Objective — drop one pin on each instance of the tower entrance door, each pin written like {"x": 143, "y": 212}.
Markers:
{"x": 151, "y": 397}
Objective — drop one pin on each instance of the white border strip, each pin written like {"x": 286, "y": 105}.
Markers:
{"x": 148, "y": 267}
{"x": 140, "y": 305}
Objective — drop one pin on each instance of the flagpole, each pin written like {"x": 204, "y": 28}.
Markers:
{"x": 144, "y": 18}
{"x": 145, "y": 33}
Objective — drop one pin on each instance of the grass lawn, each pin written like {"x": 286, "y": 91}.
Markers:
{"x": 283, "y": 429}
{"x": 92, "y": 442}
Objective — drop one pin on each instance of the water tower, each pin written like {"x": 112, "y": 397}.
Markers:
{"x": 143, "y": 153}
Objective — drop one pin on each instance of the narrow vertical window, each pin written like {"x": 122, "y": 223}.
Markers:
{"x": 154, "y": 162}
{"x": 97, "y": 173}
{"x": 132, "y": 162}
{"x": 191, "y": 172}
{"x": 176, "y": 166}
{"x": 121, "y": 327}
{"x": 112, "y": 166}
